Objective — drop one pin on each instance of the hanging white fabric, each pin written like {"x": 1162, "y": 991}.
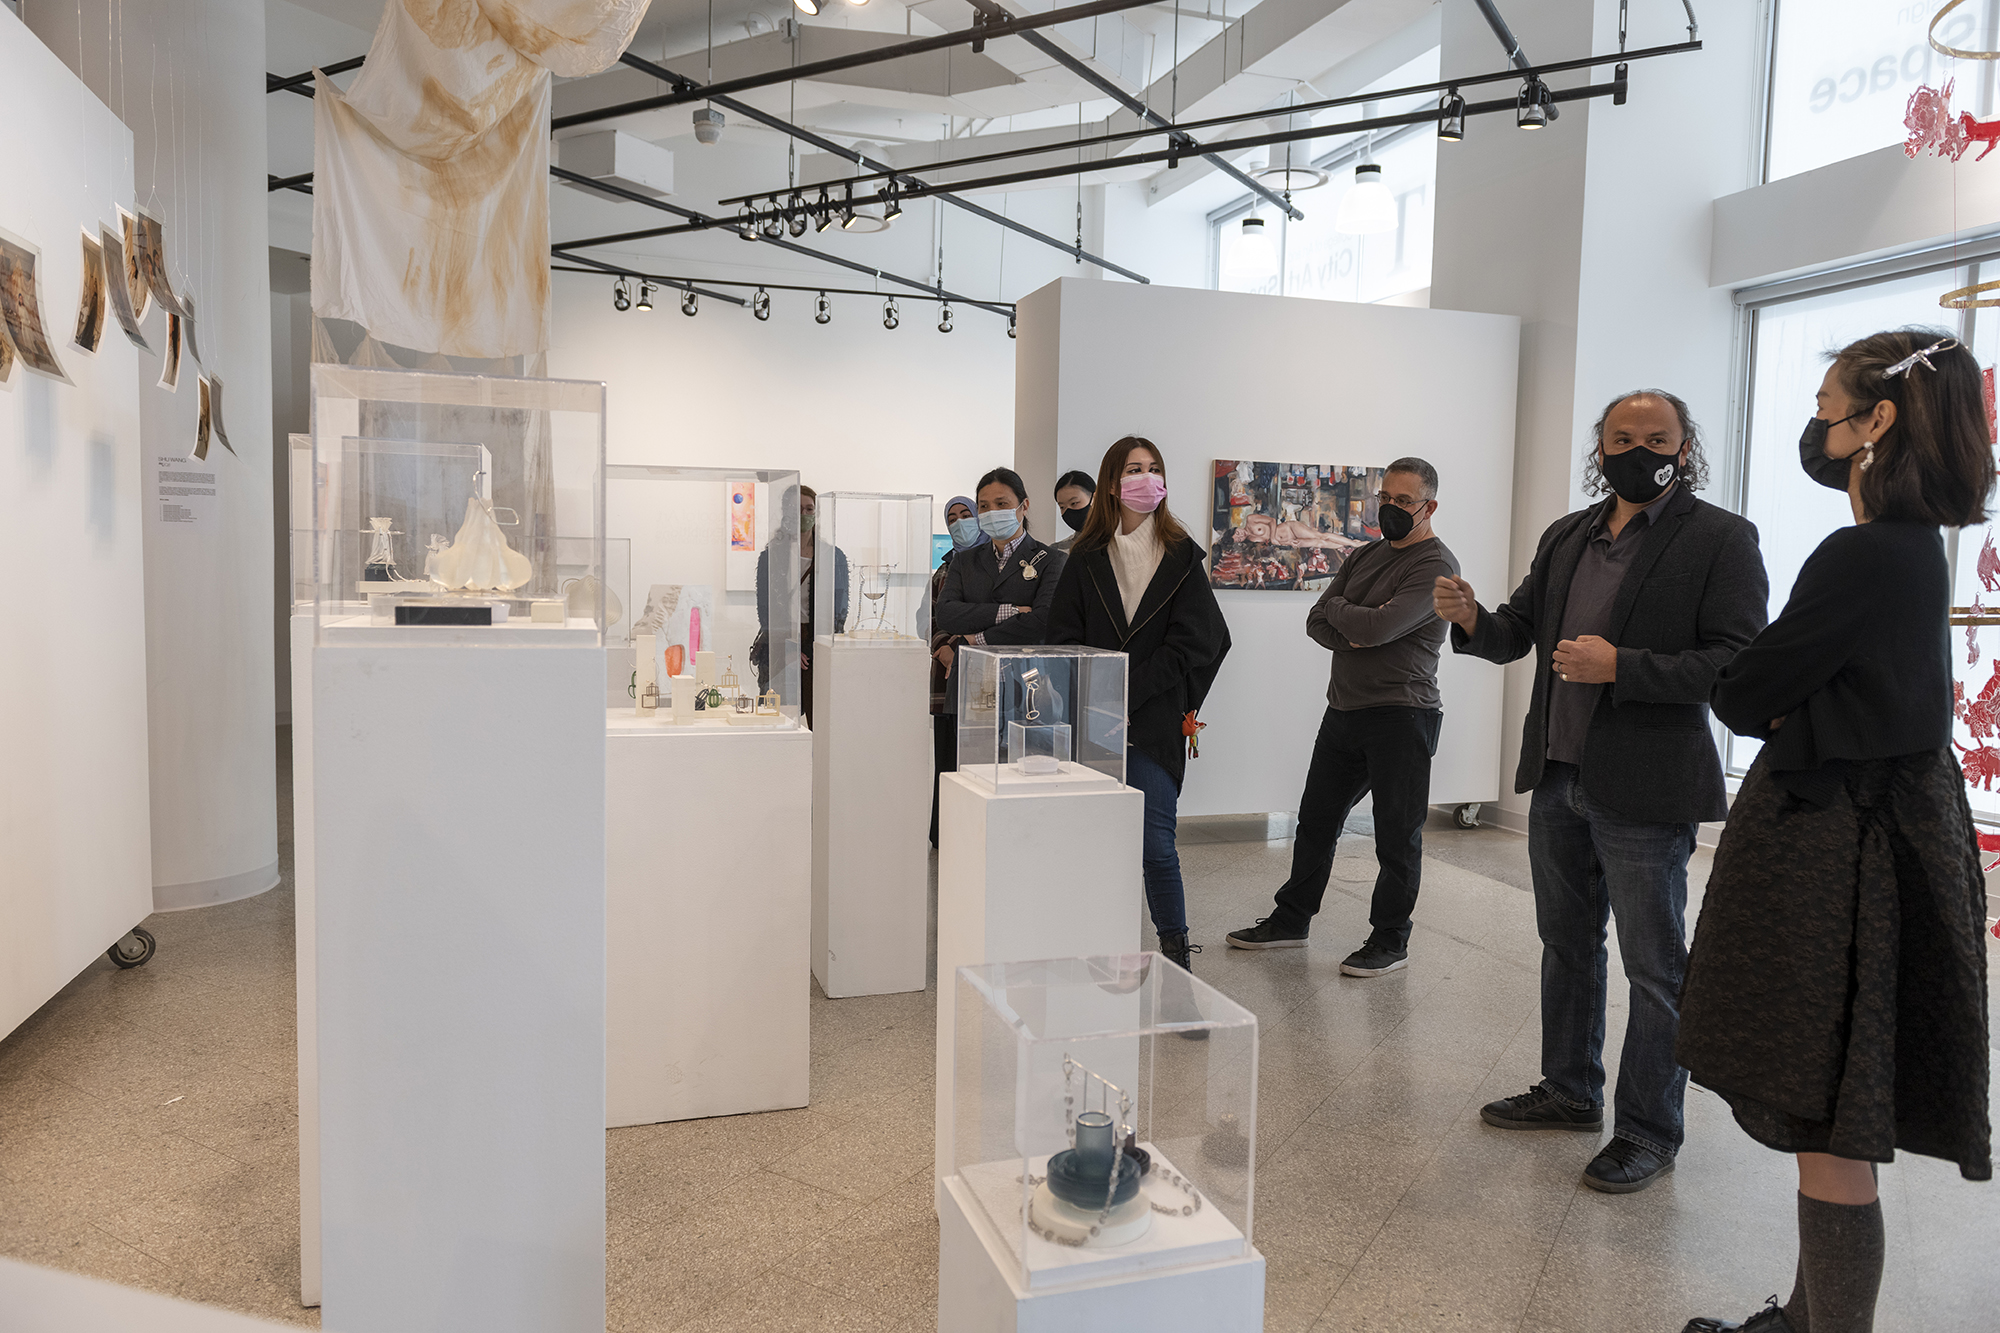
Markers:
{"x": 431, "y": 174}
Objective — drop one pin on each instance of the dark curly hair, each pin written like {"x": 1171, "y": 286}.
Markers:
{"x": 1694, "y": 472}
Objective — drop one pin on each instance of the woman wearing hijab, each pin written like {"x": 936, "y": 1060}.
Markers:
{"x": 962, "y": 521}
{"x": 1135, "y": 584}
{"x": 1836, "y": 991}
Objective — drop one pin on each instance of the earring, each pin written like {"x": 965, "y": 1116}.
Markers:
{"x": 1867, "y": 455}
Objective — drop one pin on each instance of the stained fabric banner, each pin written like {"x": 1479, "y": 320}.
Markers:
{"x": 431, "y": 174}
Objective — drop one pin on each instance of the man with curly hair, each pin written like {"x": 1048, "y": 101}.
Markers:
{"x": 1631, "y": 607}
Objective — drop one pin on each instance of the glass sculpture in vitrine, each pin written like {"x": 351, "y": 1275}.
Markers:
{"x": 710, "y": 587}
{"x": 1041, "y": 719}
{"x": 453, "y": 501}
{"x": 1097, "y": 1134}
{"x": 883, "y": 542}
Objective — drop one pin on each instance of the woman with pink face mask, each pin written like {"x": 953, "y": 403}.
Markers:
{"x": 1135, "y": 584}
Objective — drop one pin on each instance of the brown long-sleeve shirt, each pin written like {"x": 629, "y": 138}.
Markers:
{"x": 1378, "y": 618}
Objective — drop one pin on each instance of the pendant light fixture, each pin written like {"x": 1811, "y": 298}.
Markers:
{"x": 1289, "y": 167}
{"x": 1254, "y": 249}
{"x": 1451, "y": 117}
{"x": 1367, "y": 209}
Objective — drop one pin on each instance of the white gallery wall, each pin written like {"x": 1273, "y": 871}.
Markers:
{"x": 183, "y": 74}
{"x": 73, "y": 787}
{"x": 1222, "y": 375}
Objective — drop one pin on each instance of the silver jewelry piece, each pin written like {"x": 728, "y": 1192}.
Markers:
{"x": 1904, "y": 366}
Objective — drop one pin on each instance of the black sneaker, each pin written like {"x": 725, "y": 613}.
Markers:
{"x": 1770, "y": 1319}
{"x": 1625, "y": 1167}
{"x": 1379, "y": 956}
{"x": 1267, "y": 934}
{"x": 1538, "y": 1108}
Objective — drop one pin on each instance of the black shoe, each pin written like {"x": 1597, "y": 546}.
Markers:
{"x": 1382, "y": 954}
{"x": 1625, "y": 1167}
{"x": 1770, "y": 1319}
{"x": 1266, "y": 934}
{"x": 1538, "y": 1108}
{"x": 1174, "y": 944}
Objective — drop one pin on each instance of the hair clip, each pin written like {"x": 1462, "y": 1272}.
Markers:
{"x": 1903, "y": 367}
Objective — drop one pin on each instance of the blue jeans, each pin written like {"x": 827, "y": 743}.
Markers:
{"x": 1589, "y": 863}
{"x": 1158, "y": 856}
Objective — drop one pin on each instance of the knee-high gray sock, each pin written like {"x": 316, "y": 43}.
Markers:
{"x": 1840, "y": 1257}
{"x": 1798, "y": 1310}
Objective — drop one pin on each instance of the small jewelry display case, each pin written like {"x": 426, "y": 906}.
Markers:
{"x": 1104, "y": 1115}
{"x": 884, "y": 544}
{"x": 460, "y": 509}
{"x": 1041, "y": 719}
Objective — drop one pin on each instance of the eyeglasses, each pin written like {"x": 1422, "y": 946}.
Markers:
{"x": 1411, "y": 506}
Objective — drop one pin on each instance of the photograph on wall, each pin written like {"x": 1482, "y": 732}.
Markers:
{"x": 21, "y": 307}
{"x": 201, "y": 419}
{"x": 170, "y": 357}
{"x": 90, "y": 301}
{"x": 138, "y": 290}
{"x": 120, "y": 292}
{"x": 1288, "y": 526}
{"x": 193, "y": 351}
{"x": 7, "y": 359}
{"x": 153, "y": 263}
{"x": 214, "y": 401}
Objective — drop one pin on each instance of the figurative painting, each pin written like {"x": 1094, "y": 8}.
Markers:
{"x": 21, "y": 307}
{"x": 742, "y": 515}
{"x": 1288, "y": 526}
{"x": 90, "y": 299}
{"x": 117, "y": 262}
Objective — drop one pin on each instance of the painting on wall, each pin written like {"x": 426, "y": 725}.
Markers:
{"x": 680, "y": 613}
{"x": 742, "y": 515}
{"x": 1288, "y": 526}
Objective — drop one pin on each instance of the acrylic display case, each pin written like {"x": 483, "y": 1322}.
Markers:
{"x": 713, "y": 616}
{"x": 1041, "y": 718}
{"x": 455, "y": 508}
{"x": 884, "y": 543}
{"x": 1099, "y": 1138}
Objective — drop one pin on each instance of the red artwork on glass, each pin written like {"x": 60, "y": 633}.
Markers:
{"x": 1928, "y": 118}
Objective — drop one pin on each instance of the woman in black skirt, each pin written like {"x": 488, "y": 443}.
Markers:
{"x": 1836, "y": 990}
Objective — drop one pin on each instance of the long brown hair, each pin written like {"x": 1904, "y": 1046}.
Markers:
{"x": 1935, "y": 463}
{"x": 1102, "y": 524}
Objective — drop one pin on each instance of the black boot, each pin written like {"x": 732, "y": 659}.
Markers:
{"x": 1174, "y": 944}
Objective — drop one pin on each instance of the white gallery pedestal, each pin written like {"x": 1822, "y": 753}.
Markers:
{"x": 872, "y": 765}
{"x": 708, "y": 859}
{"x": 979, "y": 1287}
{"x": 1028, "y": 877}
{"x": 458, "y": 903}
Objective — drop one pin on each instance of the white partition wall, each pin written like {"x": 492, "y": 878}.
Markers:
{"x": 1208, "y": 375}
{"x": 74, "y": 806}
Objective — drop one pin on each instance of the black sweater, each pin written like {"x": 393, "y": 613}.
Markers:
{"x": 1175, "y": 643}
{"x": 1859, "y": 662}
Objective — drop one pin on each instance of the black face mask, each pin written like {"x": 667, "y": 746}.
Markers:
{"x": 1075, "y": 517}
{"x": 1831, "y": 473}
{"x": 1396, "y": 522}
{"x": 1640, "y": 475}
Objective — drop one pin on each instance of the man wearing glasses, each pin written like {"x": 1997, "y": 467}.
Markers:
{"x": 1380, "y": 728}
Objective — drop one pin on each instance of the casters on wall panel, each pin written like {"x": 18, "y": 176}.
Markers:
{"x": 1467, "y": 815}
{"x": 134, "y": 950}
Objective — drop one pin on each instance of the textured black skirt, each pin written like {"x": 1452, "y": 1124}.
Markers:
{"x": 1836, "y": 988}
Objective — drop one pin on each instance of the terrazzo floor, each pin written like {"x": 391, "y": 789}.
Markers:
{"x": 148, "y": 1135}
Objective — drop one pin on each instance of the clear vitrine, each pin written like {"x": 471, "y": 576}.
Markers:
{"x": 1104, "y": 1115}
{"x": 877, "y": 549}
{"x": 713, "y": 615}
{"x": 454, "y": 508}
{"x": 1041, "y": 718}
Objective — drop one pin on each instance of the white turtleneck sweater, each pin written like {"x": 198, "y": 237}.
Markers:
{"x": 1135, "y": 558}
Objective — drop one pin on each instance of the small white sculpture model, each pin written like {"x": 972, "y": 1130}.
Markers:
{"x": 479, "y": 558}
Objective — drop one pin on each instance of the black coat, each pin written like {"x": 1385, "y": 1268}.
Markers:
{"x": 975, "y": 587}
{"x": 760, "y": 649}
{"x": 1696, "y": 593}
{"x": 1176, "y": 641}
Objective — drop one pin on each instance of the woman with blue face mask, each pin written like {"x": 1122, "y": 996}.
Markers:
{"x": 998, "y": 592}
{"x": 962, "y": 521}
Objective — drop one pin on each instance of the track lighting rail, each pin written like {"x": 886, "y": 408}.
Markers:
{"x": 597, "y": 269}
{"x": 683, "y": 284}
{"x": 1237, "y": 118}
{"x": 302, "y": 83}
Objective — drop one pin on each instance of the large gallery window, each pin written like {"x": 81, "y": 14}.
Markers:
{"x": 1842, "y": 72}
{"x": 1790, "y": 335}
{"x": 1310, "y": 258}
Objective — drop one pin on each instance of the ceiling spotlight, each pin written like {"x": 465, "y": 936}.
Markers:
{"x": 1451, "y": 117}
{"x": 891, "y": 316}
{"x": 824, "y": 212}
{"x": 1367, "y": 208}
{"x": 645, "y": 305}
{"x": 708, "y": 123}
{"x": 822, "y": 310}
{"x": 773, "y": 225}
{"x": 944, "y": 324}
{"x": 807, "y": 6}
{"x": 795, "y": 214}
{"x": 621, "y": 296}
{"x": 746, "y": 223}
{"x": 1532, "y": 106}
{"x": 892, "y": 207}
{"x": 760, "y": 303}
{"x": 1010, "y": 323}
